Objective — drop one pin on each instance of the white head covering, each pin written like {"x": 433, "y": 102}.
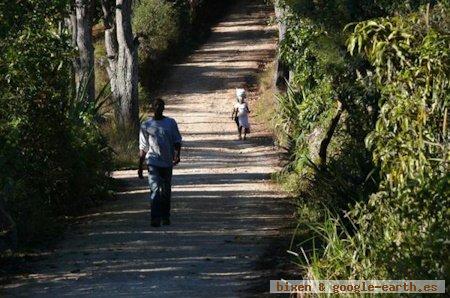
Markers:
{"x": 240, "y": 94}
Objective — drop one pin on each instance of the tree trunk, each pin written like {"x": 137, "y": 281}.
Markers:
{"x": 81, "y": 23}
{"x": 121, "y": 48}
{"x": 282, "y": 73}
{"x": 110, "y": 42}
{"x": 71, "y": 23}
{"x": 328, "y": 136}
{"x": 127, "y": 66}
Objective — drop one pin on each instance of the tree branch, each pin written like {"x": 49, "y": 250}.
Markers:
{"x": 328, "y": 136}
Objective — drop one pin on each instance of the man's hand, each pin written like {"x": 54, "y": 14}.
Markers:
{"x": 140, "y": 173}
{"x": 176, "y": 160}
{"x": 177, "y": 153}
{"x": 141, "y": 164}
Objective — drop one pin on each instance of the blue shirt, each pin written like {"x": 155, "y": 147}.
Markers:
{"x": 157, "y": 138}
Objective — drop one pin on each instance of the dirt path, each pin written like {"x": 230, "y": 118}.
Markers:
{"x": 225, "y": 212}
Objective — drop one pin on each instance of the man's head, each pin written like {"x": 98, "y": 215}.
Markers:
{"x": 158, "y": 107}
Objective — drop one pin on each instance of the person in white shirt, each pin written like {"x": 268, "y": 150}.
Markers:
{"x": 240, "y": 113}
{"x": 160, "y": 147}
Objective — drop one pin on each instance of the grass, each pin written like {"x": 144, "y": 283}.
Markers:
{"x": 266, "y": 112}
{"x": 265, "y": 106}
{"x": 101, "y": 74}
{"x": 124, "y": 143}
{"x": 320, "y": 242}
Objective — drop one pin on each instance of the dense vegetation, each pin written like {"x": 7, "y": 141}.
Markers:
{"x": 57, "y": 143}
{"x": 365, "y": 123}
{"x": 53, "y": 159}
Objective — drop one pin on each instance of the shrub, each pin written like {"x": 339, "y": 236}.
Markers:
{"x": 53, "y": 158}
{"x": 323, "y": 76}
{"x": 411, "y": 56}
{"x": 388, "y": 165}
{"x": 156, "y": 22}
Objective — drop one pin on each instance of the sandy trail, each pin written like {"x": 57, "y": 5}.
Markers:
{"x": 225, "y": 213}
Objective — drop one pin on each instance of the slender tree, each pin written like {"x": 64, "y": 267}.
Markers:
{"x": 282, "y": 71}
{"x": 121, "y": 49}
{"x": 81, "y": 19}
{"x": 329, "y": 135}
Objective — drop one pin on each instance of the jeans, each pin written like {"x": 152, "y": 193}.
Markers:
{"x": 160, "y": 181}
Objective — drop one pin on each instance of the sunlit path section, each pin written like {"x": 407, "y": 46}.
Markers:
{"x": 225, "y": 213}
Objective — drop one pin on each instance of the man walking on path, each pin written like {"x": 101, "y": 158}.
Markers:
{"x": 160, "y": 147}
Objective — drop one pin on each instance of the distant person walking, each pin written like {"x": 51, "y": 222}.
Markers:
{"x": 160, "y": 147}
{"x": 240, "y": 113}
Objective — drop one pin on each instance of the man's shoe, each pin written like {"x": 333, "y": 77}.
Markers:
{"x": 156, "y": 222}
{"x": 166, "y": 221}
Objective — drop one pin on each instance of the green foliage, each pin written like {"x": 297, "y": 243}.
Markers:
{"x": 388, "y": 166}
{"x": 411, "y": 55}
{"x": 53, "y": 158}
{"x": 124, "y": 144}
{"x": 322, "y": 74}
{"x": 156, "y": 21}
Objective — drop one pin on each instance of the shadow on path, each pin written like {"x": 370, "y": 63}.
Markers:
{"x": 225, "y": 211}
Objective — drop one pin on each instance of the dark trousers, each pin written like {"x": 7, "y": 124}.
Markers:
{"x": 160, "y": 181}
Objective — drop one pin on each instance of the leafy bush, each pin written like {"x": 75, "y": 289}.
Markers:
{"x": 323, "y": 77}
{"x": 53, "y": 158}
{"x": 388, "y": 164}
{"x": 156, "y": 22}
{"x": 411, "y": 56}
{"x": 124, "y": 144}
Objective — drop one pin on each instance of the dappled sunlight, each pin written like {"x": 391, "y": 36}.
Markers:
{"x": 225, "y": 211}
{"x": 194, "y": 232}
{"x": 152, "y": 270}
{"x": 112, "y": 213}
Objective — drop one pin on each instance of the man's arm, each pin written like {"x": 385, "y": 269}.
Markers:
{"x": 176, "y": 158}
{"x": 142, "y": 154}
{"x": 176, "y": 143}
{"x": 143, "y": 148}
{"x": 234, "y": 113}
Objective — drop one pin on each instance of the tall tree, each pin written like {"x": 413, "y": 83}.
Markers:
{"x": 121, "y": 49}
{"x": 81, "y": 19}
{"x": 282, "y": 71}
